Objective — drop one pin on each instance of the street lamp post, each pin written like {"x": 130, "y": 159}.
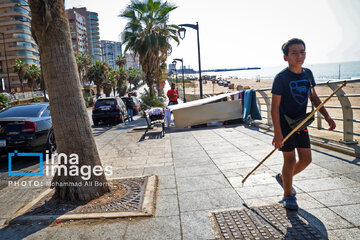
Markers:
{"x": 182, "y": 67}
{"x": 182, "y": 30}
{"x": 174, "y": 64}
{"x": 7, "y": 68}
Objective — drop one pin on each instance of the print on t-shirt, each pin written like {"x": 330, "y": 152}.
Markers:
{"x": 299, "y": 90}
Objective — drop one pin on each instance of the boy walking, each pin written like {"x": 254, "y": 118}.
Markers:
{"x": 290, "y": 94}
{"x": 130, "y": 108}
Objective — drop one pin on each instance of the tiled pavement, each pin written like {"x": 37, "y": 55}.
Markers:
{"x": 200, "y": 171}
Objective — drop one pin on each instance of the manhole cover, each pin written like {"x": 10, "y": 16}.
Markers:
{"x": 268, "y": 222}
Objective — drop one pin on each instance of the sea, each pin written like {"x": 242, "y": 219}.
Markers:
{"x": 322, "y": 72}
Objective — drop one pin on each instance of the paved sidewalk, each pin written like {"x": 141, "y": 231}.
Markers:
{"x": 200, "y": 171}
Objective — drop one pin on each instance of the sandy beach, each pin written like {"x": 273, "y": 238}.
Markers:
{"x": 336, "y": 113}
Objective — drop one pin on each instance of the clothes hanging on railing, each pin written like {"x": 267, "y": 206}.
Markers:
{"x": 250, "y": 106}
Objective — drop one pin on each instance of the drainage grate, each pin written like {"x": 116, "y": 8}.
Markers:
{"x": 126, "y": 195}
{"x": 268, "y": 222}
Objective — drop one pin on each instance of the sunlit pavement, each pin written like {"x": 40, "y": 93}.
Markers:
{"x": 200, "y": 171}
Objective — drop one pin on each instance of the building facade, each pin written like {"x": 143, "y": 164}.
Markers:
{"x": 78, "y": 31}
{"x": 132, "y": 62}
{"x": 16, "y": 40}
{"x": 84, "y": 27}
{"x": 110, "y": 52}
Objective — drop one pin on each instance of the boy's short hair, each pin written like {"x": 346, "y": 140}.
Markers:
{"x": 285, "y": 46}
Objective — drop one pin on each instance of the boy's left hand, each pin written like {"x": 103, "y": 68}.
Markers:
{"x": 331, "y": 123}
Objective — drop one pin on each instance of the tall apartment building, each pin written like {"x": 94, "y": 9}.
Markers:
{"x": 15, "y": 40}
{"x": 78, "y": 32}
{"x": 132, "y": 62}
{"x": 79, "y": 20}
{"x": 110, "y": 51}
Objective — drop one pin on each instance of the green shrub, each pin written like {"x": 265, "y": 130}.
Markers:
{"x": 122, "y": 89}
{"x": 35, "y": 99}
{"x": 149, "y": 102}
{"x": 4, "y": 101}
{"x": 89, "y": 100}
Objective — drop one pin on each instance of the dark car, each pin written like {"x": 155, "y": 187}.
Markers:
{"x": 27, "y": 127}
{"x": 111, "y": 109}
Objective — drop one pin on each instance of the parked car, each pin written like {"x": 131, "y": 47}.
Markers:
{"x": 27, "y": 127}
{"x": 137, "y": 103}
{"x": 110, "y": 109}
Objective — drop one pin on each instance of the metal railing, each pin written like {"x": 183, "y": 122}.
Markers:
{"x": 348, "y": 121}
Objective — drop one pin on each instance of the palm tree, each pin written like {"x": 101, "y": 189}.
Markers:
{"x": 33, "y": 75}
{"x": 147, "y": 34}
{"x": 113, "y": 76}
{"x": 160, "y": 71}
{"x": 121, "y": 82}
{"x": 134, "y": 76}
{"x": 83, "y": 62}
{"x": 120, "y": 61}
{"x": 73, "y": 134}
{"x": 20, "y": 68}
{"x": 97, "y": 73}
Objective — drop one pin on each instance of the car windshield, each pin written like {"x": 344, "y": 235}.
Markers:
{"x": 22, "y": 111}
{"x": 105, "y": 102}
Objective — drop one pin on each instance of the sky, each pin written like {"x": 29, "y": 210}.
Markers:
{"x": 249, "y": 33}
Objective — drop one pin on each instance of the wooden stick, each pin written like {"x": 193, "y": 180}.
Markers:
{"x": 296, "y": 128}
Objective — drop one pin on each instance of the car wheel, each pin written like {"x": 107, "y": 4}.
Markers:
{"x": 51, "y": 143}
{"x": 96, "y": 123}
{"x": 121, "y": 119}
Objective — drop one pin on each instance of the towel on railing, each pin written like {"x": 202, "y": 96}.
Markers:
{"x": 250, "y": 106}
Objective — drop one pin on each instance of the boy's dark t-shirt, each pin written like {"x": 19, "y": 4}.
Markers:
{"x": 129, "y": 103}
{"x": 294, "y": 91}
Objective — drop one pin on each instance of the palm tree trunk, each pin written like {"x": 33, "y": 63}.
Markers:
{"x": 150, "y": 83}
{"x": 98, "y": 90}
{"x": 158, "y": 87}
{"x": 80, "y": 77}
{"x": 71, "y": 124}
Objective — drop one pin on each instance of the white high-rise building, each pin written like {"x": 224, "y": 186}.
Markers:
{"x": 110, "y": 51}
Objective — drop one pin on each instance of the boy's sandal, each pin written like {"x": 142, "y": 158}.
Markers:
{"x": 290, "y": 203}
{"x": 279, "y": 180}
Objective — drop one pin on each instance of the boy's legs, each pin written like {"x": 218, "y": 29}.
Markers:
{"x": 287, "y": 172}
{"x": 132, "y": 114}
{"x": 292, "y": 167}
{"x": 128, "y": 115}
{"x": 304, "y": 159}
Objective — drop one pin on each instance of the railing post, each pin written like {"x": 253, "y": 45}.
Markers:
{"x": 347, "y": 115}
{"x": 319, "y": 125}
{"x": 268, "y": 107}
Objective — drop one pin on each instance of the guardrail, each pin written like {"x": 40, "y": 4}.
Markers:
{"x": 20, "y": 96}
{"x": 348, "y": 133}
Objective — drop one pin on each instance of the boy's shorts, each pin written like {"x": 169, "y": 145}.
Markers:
{"x": 297, "y": 140}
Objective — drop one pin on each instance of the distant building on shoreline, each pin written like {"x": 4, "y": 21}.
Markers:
{"x": 16, "y": 40}
{"x": 110, "y": 52}
{"x": 85, "y": 36}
